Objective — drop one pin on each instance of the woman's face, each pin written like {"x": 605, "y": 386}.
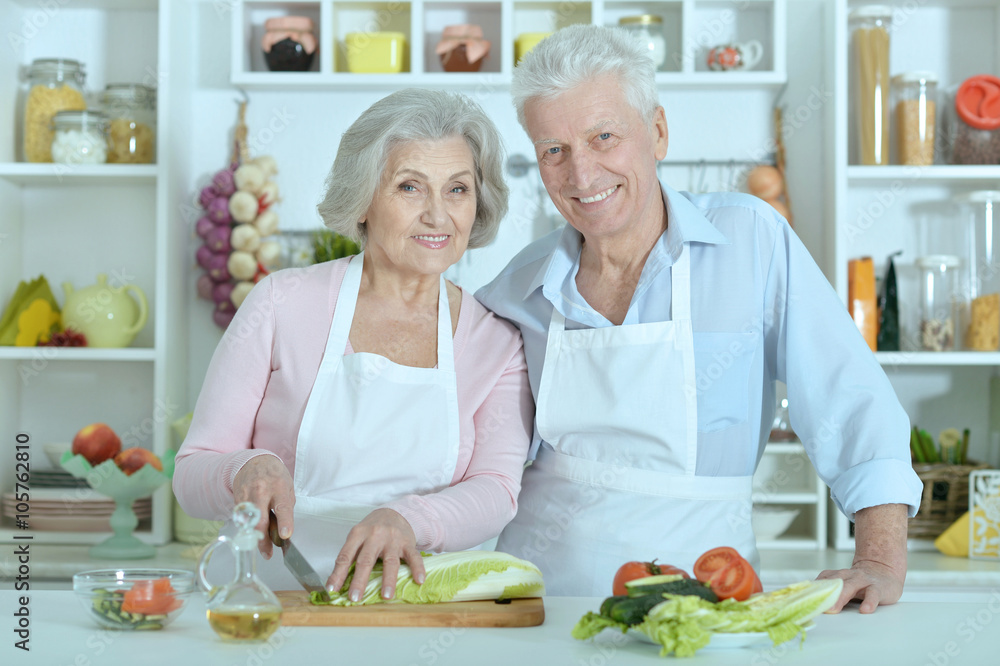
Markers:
{"x": 424, "y": 207}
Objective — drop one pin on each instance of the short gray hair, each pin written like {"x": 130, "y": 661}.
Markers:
{"x": 580, "y": 53}
{"x": 407, "y": 116}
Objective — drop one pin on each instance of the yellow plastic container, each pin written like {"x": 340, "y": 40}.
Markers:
{"x": 525, "y": 42}
{"x": 375, "y": 52}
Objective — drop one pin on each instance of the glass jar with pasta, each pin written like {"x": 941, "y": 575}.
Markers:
{"x": 870, "y": 26}
{"x": 914, "y": 116}
{"x": 131, "y": 113}
{"x": 53, "y": 85}
{"x": 982, "y": 211}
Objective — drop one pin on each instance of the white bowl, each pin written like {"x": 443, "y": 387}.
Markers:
{"x": 55, "y": 450}
{"x": 770, "y": 522}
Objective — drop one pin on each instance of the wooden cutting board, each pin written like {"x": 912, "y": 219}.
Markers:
{"x": 299, "y": 611}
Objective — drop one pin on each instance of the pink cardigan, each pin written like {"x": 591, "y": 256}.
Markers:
{"x": 261, "y": 376}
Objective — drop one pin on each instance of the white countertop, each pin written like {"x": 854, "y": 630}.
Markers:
{"x": 54, "y": 566}
{"x": 906, "y": 633}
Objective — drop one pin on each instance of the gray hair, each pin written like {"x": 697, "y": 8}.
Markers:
{"x": 579, "y": 53}
{"x": 403, "y": 117}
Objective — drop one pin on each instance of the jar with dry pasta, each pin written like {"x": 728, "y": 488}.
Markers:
{"x": 914, "y": 116}
{"x": 131, "y": 112}
{"x": 871, "y": 82}
{"x": 981, "y": 209}
{"x": 53, "y": 85}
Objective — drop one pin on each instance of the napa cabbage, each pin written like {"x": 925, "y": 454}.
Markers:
{"x": 467, "y": 575}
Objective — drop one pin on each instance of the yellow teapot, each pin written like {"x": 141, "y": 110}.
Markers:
{"x": 105, "y": 314}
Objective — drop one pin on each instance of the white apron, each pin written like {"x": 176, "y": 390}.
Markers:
{"x": 614, "y": 479}
{"x": 372, "y": 431}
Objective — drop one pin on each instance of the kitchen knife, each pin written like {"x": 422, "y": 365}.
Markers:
{"x": 296, "y": 562}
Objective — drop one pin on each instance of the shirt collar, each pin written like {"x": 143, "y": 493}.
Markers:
{"x": 685, "y": 224}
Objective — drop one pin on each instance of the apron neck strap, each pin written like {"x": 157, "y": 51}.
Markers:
{"x": 347, "y": 301}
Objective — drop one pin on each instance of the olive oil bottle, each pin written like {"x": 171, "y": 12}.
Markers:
{"x": 244, "y": 610}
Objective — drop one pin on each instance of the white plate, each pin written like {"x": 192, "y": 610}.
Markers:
{"x": 725, "y": 641}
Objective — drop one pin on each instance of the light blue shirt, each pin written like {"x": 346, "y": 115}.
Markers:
{"x": 762, "y": 311}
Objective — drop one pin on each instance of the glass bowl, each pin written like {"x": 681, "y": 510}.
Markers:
{"x": 153, "y": 597}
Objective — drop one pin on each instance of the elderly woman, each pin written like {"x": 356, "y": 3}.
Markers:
{"x": 373, "y": 407}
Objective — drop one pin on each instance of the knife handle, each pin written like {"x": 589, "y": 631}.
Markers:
{"x": 272, "y": 530}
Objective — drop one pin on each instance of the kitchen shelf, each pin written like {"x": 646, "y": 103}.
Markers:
{"x": 939, "y": 173}
{"x": 687, "y": 26}
{"x": 785, "y": 477}
{"x": 20, "y": 173}
{"x": 76, "y": 354}
{"x": 879, "y": 210}
{"x": 96, "y": 4}
{"x": 957, "y": 358}
{"x": 72, "y": 222}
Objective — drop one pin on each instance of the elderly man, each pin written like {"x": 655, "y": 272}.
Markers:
{"x": 655, "y": 325}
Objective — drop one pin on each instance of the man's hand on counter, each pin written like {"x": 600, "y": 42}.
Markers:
{"x": 876, "y": 577}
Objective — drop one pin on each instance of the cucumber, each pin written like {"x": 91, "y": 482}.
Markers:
{"x": 682, "y": 586}
{"x": 632, "y": 610}
{"x": 609, "y": 602}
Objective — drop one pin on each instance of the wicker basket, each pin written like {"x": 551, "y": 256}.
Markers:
{"x": 945, "y": 497}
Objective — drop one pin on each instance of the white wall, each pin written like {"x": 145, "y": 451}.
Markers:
{"x": 302, "y": 129}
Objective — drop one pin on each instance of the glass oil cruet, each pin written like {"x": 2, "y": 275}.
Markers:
{"x": 244, "y": 609}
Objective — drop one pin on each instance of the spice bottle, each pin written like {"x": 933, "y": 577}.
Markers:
{"x": 871, "y": 90}
{"x": 915, "y": 113}
{"x": 648, "y": 30}
{"x": 982, "y": 210}
{"x": 131, "y": 112}
{"x": 861, "y": 298}
{"x": 972, "y": 124}
{"x": 940, "y": 301}
{"x": 79, "y": 138}
{"x": 53, "y": 85}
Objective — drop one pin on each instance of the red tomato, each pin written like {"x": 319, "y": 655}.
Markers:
{"x": 151, "y": 597}
{"x": 713, "y": 560}
{"x": 632, "y": 570}
{"x": 736, "y": 580}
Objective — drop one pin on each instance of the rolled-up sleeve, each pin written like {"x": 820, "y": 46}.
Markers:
{"x": 841, "y": 404}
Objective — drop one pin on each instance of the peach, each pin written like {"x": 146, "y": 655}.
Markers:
{"x": 132, "y": 460}
{"x": 97, "y": 443}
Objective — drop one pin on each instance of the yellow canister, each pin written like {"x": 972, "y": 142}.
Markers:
{"x": 375, "y": 52}
{"x": 525, "y": 42}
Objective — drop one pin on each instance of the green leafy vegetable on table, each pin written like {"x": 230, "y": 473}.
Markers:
{"x": 684, "y": 623}
{"x": 468, "y": 575}
{"x": 328, "y": 245}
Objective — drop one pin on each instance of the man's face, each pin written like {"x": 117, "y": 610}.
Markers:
{"x": 597, "y": 157}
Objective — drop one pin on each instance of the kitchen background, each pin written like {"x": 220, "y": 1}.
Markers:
{"x": 137, "y": 222}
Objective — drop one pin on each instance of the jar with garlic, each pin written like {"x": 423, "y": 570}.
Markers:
{"x": 52, "y": 85}
{"x": 79, "y": 138}
{"x": 131, "y": 111}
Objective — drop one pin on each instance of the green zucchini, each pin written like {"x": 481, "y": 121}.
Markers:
{"x": 682, "y": 586}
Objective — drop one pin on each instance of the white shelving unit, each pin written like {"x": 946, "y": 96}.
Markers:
{"x": 785, "y": 478}
{"x": 691, "y": 27}
{"x": 72, "y": 222}
{"x": 879, "y": 210}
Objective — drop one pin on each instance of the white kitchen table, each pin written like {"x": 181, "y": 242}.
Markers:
{"x": 907, "y": 634}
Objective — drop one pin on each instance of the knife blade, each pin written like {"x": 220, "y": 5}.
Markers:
{"x": 296, "y": 562}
